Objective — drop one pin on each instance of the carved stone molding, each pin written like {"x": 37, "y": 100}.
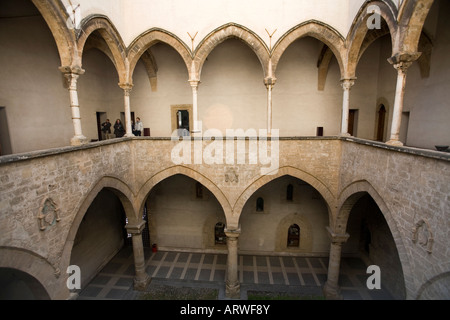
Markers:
{"x": 423, "y": 236}
{"x": 48, "y": 214}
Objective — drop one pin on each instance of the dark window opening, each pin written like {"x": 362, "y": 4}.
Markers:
{"x": 260, "y": 205}
{"x": 183, "y": 123}
{"x": 219, "y": 234}
{"x": 293, "y": 236}
{"x": 319, "y": 131}
{"x": 353, "y": 122}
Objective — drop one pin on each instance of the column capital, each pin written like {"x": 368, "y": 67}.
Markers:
{"x": 135, "y": 229}
{"x": 347, "y": 83}
{"x": 233, "y": 233}
{"x": 71, "y": 81}
{"x": 270, "y": 81}
{"x": 194, "y": 81}
{"x": 126, "y": 86}
{"x": 403, "y": 60}
{"x": 337, "y": 238}
{"x": 75, "y": 70}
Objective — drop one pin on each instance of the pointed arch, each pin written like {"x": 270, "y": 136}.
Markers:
{"x": 349, "y": 197}
{"x": 120, "y": 189}
{"x": 35, "y": 266}
{"x": 315, "y": 29}
{"x": 195, "y": 175}
{"x": 111, "y": 36}
{"x": 55, "y": 16}
{"x": 359, "y": 30}
{"x": 146, "y": 40}
{"x": 225, "y": 32}
{"x": 411, "y": 18}
{"x": 324, "y": 191}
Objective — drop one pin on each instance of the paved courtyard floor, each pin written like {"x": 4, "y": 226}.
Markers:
{"x": 294, "y": 276}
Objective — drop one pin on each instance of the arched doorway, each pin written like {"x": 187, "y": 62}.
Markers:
{"x": 18, "y": 285}
{"x": 371, "y": 239}
{"x": 100, "y": 236}
{"x": 185, "y": 215}
{"x": 293, "y": 219}
{"x": 293, "y": 239}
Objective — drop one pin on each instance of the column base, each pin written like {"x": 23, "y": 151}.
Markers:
{"x": 142, "y": 284}
{"x": 395, "y": 143}
{"x": 78, "y": 141}
{"x": 345, "y": 135}
{"x": 233, "y": 290}
{"x": 332, "y": 293}
{"x": 73, "y": 296}
{"x": 129, "y": 135}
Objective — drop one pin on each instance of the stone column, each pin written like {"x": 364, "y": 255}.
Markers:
{"x": 72, "y": 76}
{"x": 331, "y": 289}
{"x": 269, "y": 83}
{"x": 401, "y": 62}
{"x": 233, "y": 287}
{"x": 347, "y": 85}
{"x": 127, "y": 92}
{"x": 194, "y": 85}
{"x": 141, "y": 279}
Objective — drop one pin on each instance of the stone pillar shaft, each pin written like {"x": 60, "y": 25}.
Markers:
{"x": 401, "y": 62}
{"x": 269, "y": 83}
{"x": 141, "y": 280}
{"x": 72, "y": 79}
{"x": 398, "y": 104}
{"x": 194, "y": 86}
{"x": 331, "y": 289}
{"x": 233, "y": 287}
{"x": 127, "y": 104}
{"x": 347, "y": 84}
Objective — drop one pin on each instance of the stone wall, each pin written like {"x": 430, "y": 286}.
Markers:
{"x": 55, "y": 185}
{"x": 412, "y": 192}
{"x": 409, "y": 186}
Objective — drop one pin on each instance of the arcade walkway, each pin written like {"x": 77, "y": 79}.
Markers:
{"x": 289, "y": 275}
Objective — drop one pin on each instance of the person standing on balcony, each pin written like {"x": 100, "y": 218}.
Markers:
{"x": 119, "y": 129}
{"x": 106, "y": 129}
{"x": 138, "y": 127}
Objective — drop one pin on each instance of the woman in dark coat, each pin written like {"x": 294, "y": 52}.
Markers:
{"x": 119, "y": 130}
